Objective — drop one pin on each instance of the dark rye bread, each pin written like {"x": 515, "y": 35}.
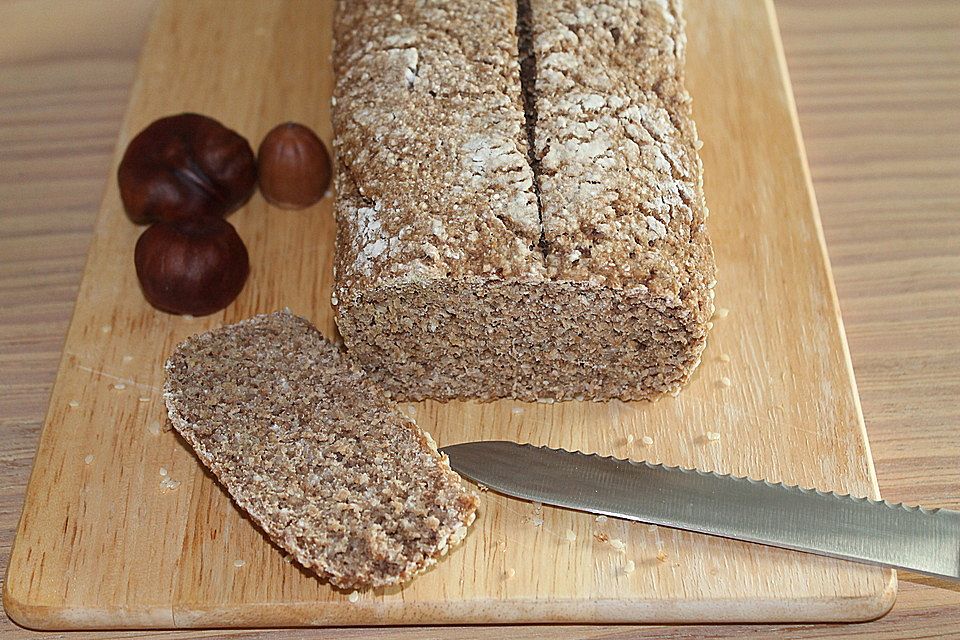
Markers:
{"x": 312, "y": 451}
{"x": 519, "y": 205}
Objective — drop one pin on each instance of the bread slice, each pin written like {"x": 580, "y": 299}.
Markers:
{"x": 321, "y": 461}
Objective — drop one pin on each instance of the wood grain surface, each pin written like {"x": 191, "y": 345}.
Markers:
{"x": 877, "y": 90}
{"x": 779, "y": 395}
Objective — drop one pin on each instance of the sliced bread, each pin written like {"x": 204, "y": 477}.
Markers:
{"x": 317, "y": 456}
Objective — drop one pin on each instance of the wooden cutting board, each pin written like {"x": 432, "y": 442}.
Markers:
{"x": 102, "y": 544}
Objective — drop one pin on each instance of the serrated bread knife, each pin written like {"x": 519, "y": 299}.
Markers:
{"x": 923, "y": 540}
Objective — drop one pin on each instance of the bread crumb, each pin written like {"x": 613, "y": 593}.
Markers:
{"x": 571, "y": 535}
{"x": 88, "y": 459}
{"x": 239, "y": 563}
{"x": 187, "y": 316}
{"x": 509, "y": 573}
{"x": 516, "y": 411}
{"x": 537, "y": 518}
{"x": 723, "y": 312}
{"x": 119, "y": 386}
{"x": 662, "y": 556}
{"x": 154, "y": 427}
{"x": 725, "y": 381}
{"x": 127, "y": 358}
{"x": 106, "y": 328}
{"x": 630, "y": 566}
{"x": 600, "y": 536}
{"x": 713, "y": 436}
{"x": 709, "y": 326}
{"x": 74, "y": 404}
{"x": 618, "y": 544}
{"x": 647, "y": 440}
{"x": 163, "y": 471}
{"x": 601, "y": 519}
{"x": 354, "y": 596}
{"x": 630, "y": 438}
{"x": 724, "y": 357}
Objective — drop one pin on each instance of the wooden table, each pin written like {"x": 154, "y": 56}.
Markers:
{"x": 878, "y": 89}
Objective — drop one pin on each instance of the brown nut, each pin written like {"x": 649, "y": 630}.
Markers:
{"x": 195, "y": 266}
{"x": 294, "y": 166}
{"x": 185, "y": 166}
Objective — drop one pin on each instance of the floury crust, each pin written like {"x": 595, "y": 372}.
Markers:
{"x": 469, "y": 265}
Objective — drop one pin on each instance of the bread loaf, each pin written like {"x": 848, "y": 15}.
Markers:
{"x": 346, "y": 484}
{"x": 519, "y": 199}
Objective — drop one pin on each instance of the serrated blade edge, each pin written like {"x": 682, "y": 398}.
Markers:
{"x": 878, "y": 532}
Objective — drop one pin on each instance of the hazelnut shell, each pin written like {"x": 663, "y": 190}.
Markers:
{"x": 194, "y": 267}
{"x": 294, "y": 166}
{"x": 185, "y": 166}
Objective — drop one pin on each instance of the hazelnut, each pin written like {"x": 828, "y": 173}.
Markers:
{"x": 185, "y": 166}
{"x": 294, "y": 166}
{"x": 194, "y": 266}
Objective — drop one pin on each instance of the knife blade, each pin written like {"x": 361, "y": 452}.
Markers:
{"x": 923, "y": 540}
